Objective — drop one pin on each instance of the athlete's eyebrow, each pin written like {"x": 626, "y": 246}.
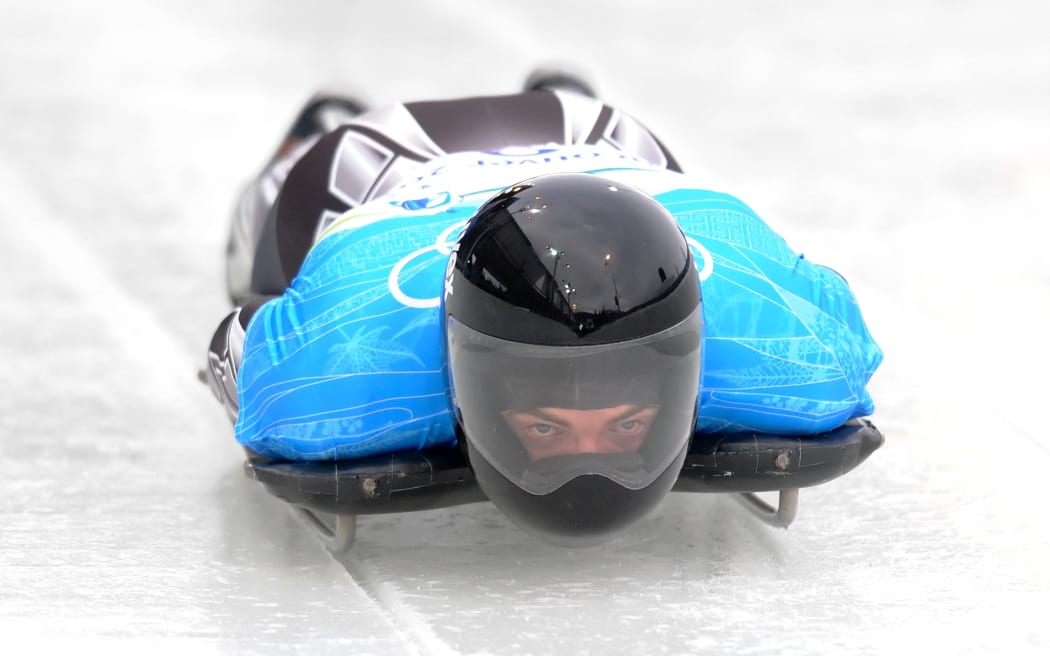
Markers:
{"x": 542, "y": 414}
{"x": 631, "y": 411}
{"x": 546, "y": 415}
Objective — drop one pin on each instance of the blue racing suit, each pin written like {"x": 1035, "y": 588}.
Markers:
{"x": 349, "y": 361}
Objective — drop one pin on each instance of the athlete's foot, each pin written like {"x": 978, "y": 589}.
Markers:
{"x": 551, "y": 79}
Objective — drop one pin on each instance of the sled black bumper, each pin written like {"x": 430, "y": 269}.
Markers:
{"x": 436, "y": 478}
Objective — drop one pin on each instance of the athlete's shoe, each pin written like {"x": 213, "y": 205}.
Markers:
{"x": 551, "y": 79}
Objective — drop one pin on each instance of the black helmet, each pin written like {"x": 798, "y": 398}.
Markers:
{"x": 572, "y": 317}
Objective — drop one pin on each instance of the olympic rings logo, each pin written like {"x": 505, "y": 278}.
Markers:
{"x": 441, "y": 246}
{"x": 705, "y": 255}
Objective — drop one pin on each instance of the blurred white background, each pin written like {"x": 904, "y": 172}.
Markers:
{"x": 905, "y": 144}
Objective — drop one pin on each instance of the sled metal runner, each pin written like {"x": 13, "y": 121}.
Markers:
{"x": 740, "y": 463}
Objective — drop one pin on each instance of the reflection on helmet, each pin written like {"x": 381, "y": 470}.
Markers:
{"x": 573, "y": 333}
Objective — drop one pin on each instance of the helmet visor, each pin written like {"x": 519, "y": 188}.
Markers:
{"x": 543, "y": 415}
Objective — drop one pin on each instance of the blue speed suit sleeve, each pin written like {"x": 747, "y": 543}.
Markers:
{"x": 786, "y": 349}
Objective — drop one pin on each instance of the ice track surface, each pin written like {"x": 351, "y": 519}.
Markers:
{"x": 905, "y": 144}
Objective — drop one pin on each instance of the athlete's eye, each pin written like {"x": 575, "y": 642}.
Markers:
{"x": 629, "y": 427}
{"x": 543, "y": 432}
{"x": 535, "y": 430}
